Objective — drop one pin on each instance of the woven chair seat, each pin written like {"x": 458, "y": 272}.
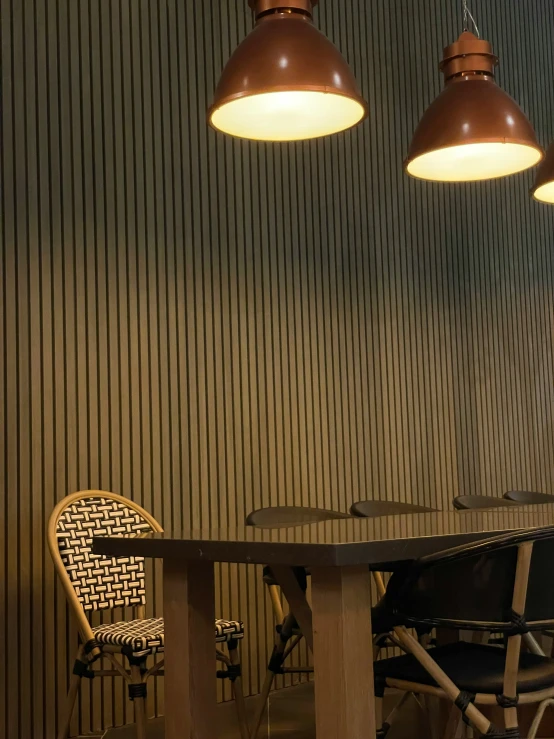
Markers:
{"x": 146, "y": 636}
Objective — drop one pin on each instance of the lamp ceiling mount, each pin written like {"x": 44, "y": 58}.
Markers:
{"x": 469, "y": 54}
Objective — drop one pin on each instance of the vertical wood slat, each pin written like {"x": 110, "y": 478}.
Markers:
{"x": 210, "y": 325}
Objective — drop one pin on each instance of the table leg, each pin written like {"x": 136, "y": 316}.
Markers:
{"x": 343, "y": 653}
{"x": 189, "y": 660}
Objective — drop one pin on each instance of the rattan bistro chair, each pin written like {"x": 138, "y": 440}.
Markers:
{"x": 504, "y": 584}
{"x": 96, "y": 582}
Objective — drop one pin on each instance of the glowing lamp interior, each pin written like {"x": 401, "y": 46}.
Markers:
{"x": 290, "y": 115}
{"x": 472, "y": 162}
{"x": 545, "y": 193}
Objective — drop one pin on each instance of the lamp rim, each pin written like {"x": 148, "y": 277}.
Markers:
{"x": 325, "y": 89}
{"x": 544, "y": 175}
{"x": 488, "y": 140}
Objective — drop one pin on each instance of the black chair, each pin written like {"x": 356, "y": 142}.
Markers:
{"x": 288, "y": 633}
{"x": 474, "y": 502}
{"x": 504, "y": 584}
{"x": 523, "y": 497}
{"x": 286, "y": 515}
{"x": 375, "y": 508}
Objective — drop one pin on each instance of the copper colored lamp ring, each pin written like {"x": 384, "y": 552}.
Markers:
{"x": 468, "y": 54}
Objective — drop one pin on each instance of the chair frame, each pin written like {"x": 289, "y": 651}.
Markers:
{"x": 89, "y": 651}
{"x": 449, "y": 691}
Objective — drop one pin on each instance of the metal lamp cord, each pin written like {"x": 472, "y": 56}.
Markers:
{"x": 468, "y": 14}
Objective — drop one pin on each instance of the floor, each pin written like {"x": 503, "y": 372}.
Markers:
{"x": 290, "y": 715}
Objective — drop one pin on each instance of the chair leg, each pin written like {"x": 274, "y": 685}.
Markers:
{"x": 275, "y": 662}
{"x": 262, "y": 703}
{"x": 383, "y": 726}
{"x": 538, "y": 717}
{"x": 238, "y": 693}
{"x": 139, "y": 702}
{"x": 378, "y": 712}
{"x": 74, "y": 685}
{"x": 532, "y": 644}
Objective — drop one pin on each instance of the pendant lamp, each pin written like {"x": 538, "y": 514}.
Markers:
{"x": 543, "y": 188}
{"x": 286, "y": 81}
{"x": 473, "y": 130}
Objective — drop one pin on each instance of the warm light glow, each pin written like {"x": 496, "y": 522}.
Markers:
{"x": 545, "y": 193}
{"x": 471, "y": 162}
{"x": 287, "y": 116}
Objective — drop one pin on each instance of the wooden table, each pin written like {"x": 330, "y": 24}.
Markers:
{"x": 337, "y": 627}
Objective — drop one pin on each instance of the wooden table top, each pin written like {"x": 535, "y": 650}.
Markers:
{"x": 382, "y": 543}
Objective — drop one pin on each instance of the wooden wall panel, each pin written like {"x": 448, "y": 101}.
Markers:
{"x": 210, "y": 325}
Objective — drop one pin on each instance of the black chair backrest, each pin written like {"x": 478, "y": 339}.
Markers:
{"x": 279, "y": 516}
{"x": 524, "y": 497}
{"x": 472, "y": 502}
{"x": 374, "y": 508}
{"x": 472, "y": 586}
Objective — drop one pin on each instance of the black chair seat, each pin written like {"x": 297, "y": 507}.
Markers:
{"x": 477, "y": 668}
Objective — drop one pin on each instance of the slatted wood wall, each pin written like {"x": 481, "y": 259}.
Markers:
{"x": 209, "y": 325}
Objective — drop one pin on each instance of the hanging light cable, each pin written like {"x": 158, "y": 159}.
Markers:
{"x": 286, "y": 81}
{"x": 473, "y": 130}
{"x": 468, "y": 14}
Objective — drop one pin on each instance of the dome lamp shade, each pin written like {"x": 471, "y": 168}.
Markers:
{"x": 286, "y": 81}
{"x": 473, "y": 130}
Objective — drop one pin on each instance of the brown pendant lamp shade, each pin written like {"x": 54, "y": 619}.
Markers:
{"x": 473, "y": 130}
{"x": 543, "y": 188}
{"x": 286, "y": 81}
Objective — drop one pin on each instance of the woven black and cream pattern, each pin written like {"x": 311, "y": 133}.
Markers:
{"x": 101, "y": 582}
{"x": 146, "y": 636}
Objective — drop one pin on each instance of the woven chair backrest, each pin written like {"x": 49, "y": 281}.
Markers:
{"x": 101, "y": 582}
